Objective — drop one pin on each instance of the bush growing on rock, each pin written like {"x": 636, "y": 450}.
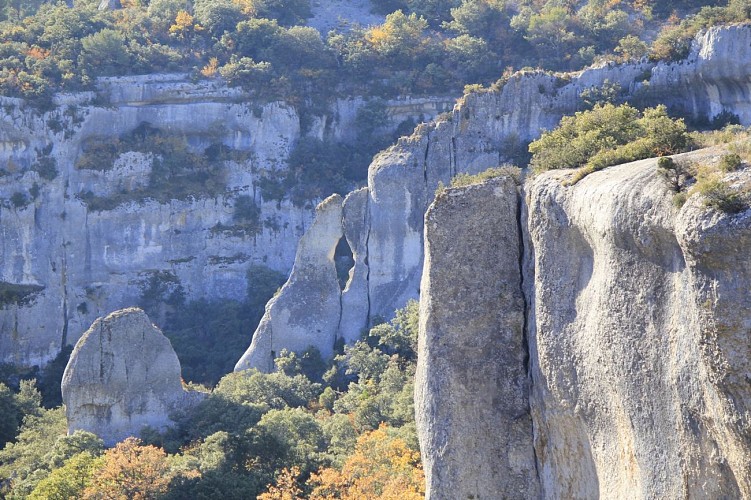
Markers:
{"x": 608, "y": 135}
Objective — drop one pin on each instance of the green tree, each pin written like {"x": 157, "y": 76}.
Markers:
{"x": 68, "y": 481}
{"x": 106, "y": 51}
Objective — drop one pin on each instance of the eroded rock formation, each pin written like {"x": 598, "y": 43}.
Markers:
{"x": 637, "y": 317}
{"x": 123, "y": 375}
{"x": 486, "y": 128}
{"x": 312, "y": 286}
{"x": 471, "y": 385}
{"x": 64, "y": 262}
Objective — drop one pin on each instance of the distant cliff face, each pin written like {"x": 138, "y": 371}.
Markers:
{"x": 64, "y": 261}
{"x": 636, "y": 335}
{"x": 483, "y": 131}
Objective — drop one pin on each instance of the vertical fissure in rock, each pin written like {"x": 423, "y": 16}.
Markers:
{"x": 452, "y": 158}
{"x": 64, "y": 283}
{"x": 521, "y": 214}
{"x": 425, "y": 161}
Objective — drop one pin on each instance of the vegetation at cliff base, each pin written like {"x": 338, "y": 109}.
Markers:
{"x": 342, "y": 428}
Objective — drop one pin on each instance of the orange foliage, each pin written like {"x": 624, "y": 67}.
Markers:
{"x": 38, "y": 52}
{"x": 211, "y": 68}
{"x": 382, "y": 467}
{"x": 131, "y": 472}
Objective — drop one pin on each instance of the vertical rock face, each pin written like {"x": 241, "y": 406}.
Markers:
{"x": 355, "y": 302}
{"x": 65, "y": 261}
{"x": 306, "y": 311}
{"x": 485, "y": 128}
{"x": 471, "y": 387}
{"x": 123, "y": 375}
{"x": 639, "y": 345}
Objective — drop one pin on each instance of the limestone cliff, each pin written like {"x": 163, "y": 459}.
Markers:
{"x": 638, "y": 339}
{"x": 123, "y": 375}
{"x": 471, "y": 385}
{"x": 63, "y": 262}
{"x": 637, "y": 317}
{"x": 484, "y": 130}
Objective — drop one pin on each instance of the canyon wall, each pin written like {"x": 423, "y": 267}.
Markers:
{"x": 487, "y": 128}
{"x": 64, "y": 262}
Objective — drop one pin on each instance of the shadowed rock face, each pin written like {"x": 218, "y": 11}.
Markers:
{"x": 123, "y": 375}
{"x": 471, "y": 385}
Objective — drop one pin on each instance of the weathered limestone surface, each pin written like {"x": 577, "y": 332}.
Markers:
{"x": 639, "y": 346}
{"x": 355, "y": 303}
{"x": 484, "y": 129}
{"x": 471, "y": 386}
{"x": 82, "y": 263}
{"x": 307, "y": 309}
{"x": 123, "y": 375}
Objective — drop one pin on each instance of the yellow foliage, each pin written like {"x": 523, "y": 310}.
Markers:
{"x": 382, "y": 467}
{"x": 286, "y": 487}
{"x": 211, "y": 68}
{"x": 183, "y": 24}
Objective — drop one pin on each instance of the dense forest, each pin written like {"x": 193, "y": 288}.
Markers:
{"x": 316, "y": 428}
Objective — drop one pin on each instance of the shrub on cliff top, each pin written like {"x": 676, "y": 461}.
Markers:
{"x": 608, "y": 135}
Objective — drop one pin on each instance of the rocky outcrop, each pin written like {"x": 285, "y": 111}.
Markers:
{"x": 123, "y": 375}
{"x": 486, "y": 128}
{"x": 471, "y": 385}
{"x": 312, "y": 286}
{"x": 65, "y": 262}
{"x": 639, "y": 339}
{"x": 637, "y": 317}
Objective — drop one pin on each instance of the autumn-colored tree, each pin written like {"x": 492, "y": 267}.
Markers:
{"x": 382, "y": 467}
{"x": 131, "y": 472}
{"x": 286, "y": 487}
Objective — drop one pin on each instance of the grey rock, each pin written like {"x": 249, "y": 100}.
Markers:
{"x": 639, "y": 347}
{"x": 471, "y": 385}
{"x": 485, "y": 128}
{"x": 355, "y": 303}
{"x": 83, "y": 263}
{"x": 123, "y": 375}
{"x": 307, "y": 309}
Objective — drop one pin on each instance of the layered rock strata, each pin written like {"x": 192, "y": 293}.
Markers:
{"x": 123, "y": 375}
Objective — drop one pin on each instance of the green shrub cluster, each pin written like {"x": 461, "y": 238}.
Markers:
{"x": 608, "y": 135}
{"x": 176, "y": 172}
{"x": 421, "y": 48}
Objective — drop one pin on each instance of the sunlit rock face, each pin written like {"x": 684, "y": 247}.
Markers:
{"x": 487, "y": 128}
{"x": 639, "y": 347}
{"x": 123, "y": 375}
{"x": 471, "y": 385}
{"x": 626, "y": 364}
